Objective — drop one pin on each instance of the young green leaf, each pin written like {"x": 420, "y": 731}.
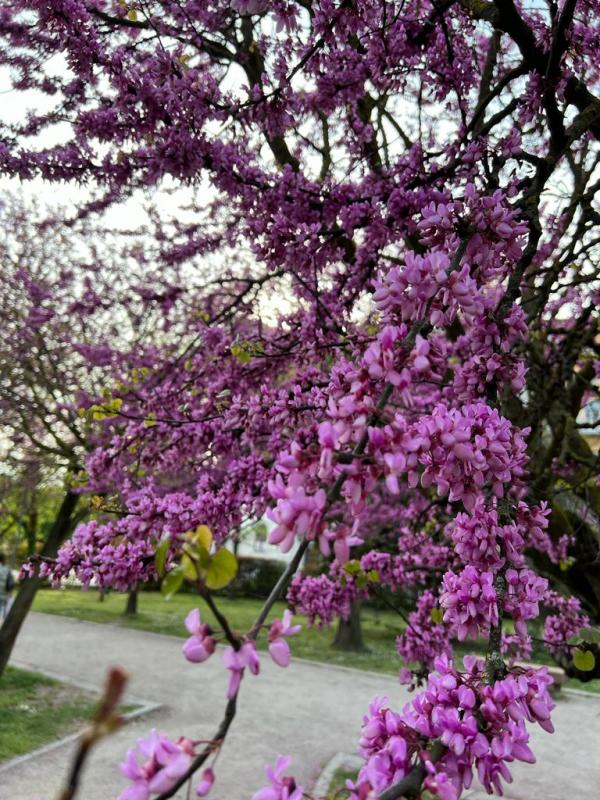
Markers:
{"x": 190, "y": 569}
{"x": 437, "y": 615}
{"x": 202, "y": 536}
{"x": 172, "y": 582}
{"x": 160, "y": 556}
{"x": 584, "y": 660}
{"x": 222, "y": 569}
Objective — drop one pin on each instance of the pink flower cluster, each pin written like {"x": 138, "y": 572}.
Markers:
{"x": 425, "y": 288}
{"x": 164, "y": 762}
{"x": 472, "y": 603}
{"x": 524, "y": 591}
{"x": 481, "y": 727}
{"x": 567, "y": 621}
{"x": 423, "y": 640}
{"x": 461, "y": 449}
{"x": 481, "y": 541}
{"x": 469, "y": 601}
{"x": 321, "y": 599}
{"x": 297, "y": 514}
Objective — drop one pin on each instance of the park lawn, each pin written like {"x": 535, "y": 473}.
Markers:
{"x": 156, "y": 614}
{"x": 35, "y": 710}
{"x": 380, "y": 627}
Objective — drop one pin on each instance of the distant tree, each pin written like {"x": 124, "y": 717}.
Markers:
{"x": 65, "y": 292}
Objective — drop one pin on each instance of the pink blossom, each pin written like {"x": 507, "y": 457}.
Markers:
{"x": 278, "y": 647}
{"x": 469, "y": 601}
{"x": 201, "y": 644}
{"x": 236, "y": 662}
{"x": 281, "y": 787}
{"x": 206, "y": 783}
{"x": 165, "y": 762}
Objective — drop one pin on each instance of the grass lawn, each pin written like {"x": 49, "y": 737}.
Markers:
{"x": 337, "y": 787}
{"x": 35, "y": 710}
{"x": 156, "y": 614}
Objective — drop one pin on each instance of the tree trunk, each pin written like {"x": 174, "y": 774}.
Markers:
{"x": 31, "y": 532}
{"x": 29, "y": 586}
{"x": 131, "y": 608}
{"x": 349, "y": 633}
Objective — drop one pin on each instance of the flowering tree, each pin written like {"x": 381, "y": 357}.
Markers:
{"x": 60, "y": 302}
{"x": 397, "y": 372}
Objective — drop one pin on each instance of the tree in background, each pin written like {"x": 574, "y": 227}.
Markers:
{"x": 408, "y": 350}
{"x": 65, "y": 291}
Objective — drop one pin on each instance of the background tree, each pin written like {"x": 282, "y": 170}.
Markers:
{"x": 65, "y": 292}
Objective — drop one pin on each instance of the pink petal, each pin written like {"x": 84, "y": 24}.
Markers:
{"x": 192, "y": 621}
{"x": 280, "y": 652}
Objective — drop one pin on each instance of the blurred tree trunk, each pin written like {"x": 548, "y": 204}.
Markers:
{"x": 131, "y": 608}
{"x": 31, "y": 531}
{"x": 28, "y": 587}
{"x": 349, "y": 633}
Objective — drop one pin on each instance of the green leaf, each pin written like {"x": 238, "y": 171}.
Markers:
{"x": 590, "y": 635}
{"x": 584, "y": 660}
{"x": 202, "y": 535}
{"x": 240, "y": 353}
{"x": 172, "y": 582}
{"x": 190, "y": 570}
{"x": 437, "y": 615}
{"x": 222, "y": 569}
{"x": 160, "y": 556}
{"x": 352, "y": 567}
{"x": 107, "y": 410}
{"x": 373, "y": 576}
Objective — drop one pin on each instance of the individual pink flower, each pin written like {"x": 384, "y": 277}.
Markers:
{"x": 236, "y": 662}
{"x": 282, "y": 786}
{"x": 201, "y": 644}
{"x": 278, "y": 647}
{"x": 165, "y": 762}
{"x": 205, "y": 785}
{"x": 343, "y": 538}
{"x": 250, "y": 656}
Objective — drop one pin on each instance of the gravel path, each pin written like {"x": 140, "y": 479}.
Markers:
{"x": 310, "y": 711}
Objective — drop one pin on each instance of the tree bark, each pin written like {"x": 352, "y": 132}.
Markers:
{"x": 131, "y": 608}
{"x": 349, "y": 633}
{"x": 29, "y": 586}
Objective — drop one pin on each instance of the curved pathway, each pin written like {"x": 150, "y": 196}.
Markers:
{"x": 309, "y": 711}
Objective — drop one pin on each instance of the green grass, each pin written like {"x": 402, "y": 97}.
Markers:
{"x": 337, "y": 788}
{"x": 35, "y": 710}
{"x": 158, "y": 615}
